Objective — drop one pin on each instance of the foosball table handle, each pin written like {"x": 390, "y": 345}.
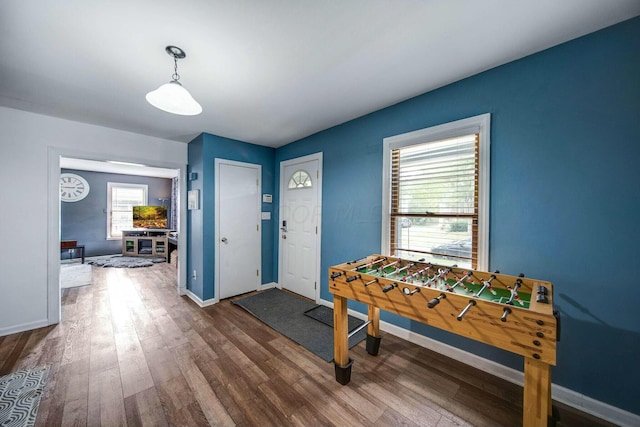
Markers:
{"x": 436, "y": 300}
{"x": 389, "y": 287}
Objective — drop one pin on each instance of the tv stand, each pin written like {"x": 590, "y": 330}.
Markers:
{"x": 146, "y": 243}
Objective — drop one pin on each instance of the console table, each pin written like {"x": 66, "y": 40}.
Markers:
{"x": 150, "y": 243}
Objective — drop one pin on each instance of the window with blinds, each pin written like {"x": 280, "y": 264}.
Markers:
{"x": 121, "y": 200}
{"x": 434, "y": 201}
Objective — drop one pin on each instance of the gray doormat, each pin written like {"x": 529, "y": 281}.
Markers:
{"x": 20, "y": 394}
{"x": 324, "y": 314}
{"x": 286, "y": 313}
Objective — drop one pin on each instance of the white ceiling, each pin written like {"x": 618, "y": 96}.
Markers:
{"x": 266, "y": 72}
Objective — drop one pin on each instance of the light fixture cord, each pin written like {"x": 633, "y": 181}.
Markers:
{"x": 175, "y": 76}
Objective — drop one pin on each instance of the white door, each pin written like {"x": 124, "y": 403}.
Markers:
{"x": 238, "y": 246}
{"x": 300, "y": 214}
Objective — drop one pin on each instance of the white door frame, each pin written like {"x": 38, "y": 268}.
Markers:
{"x": 283, "y": 187}
{"x": 217, "y": 237}
{"x": 54, "y": 303}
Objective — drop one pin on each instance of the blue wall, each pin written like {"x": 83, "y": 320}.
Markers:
{"x": 564, "y": 194}
{"x": 202, "y": 154}
{"x": 86, "y": 220}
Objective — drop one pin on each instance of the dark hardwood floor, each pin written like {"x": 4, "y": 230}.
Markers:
{"x": 130, "y": 351}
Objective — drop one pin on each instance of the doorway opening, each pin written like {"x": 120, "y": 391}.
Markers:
{"x": 62, "y": 159}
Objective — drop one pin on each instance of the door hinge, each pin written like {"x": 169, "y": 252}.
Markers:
{"x": 317, "y": 174}
{"x": 257, "y": 227}
{"x": 258, "y": 273}
{"x": 316, "y": 229}
{"x": 315, "y": 285}
{"x": 257, "y": 182}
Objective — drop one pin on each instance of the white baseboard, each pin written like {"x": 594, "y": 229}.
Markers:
{"x": 195, "y": 298}
{"x": 561, "y": 394}
{"x": 14, "y": 329}
{"x": 266, "y": 286}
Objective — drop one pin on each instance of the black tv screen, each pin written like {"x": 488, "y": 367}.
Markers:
{"x": 150, "y": 217}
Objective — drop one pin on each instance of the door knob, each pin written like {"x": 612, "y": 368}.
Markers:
{"x": 224, "y": 240}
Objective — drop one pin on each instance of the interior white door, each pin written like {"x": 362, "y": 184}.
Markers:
{"x": 300, "y": 212}
{"x": 239, "y": 238}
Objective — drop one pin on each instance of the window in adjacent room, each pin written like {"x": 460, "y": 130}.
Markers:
{"x": 436, "y": 194}
{"x": 121, "y": 198}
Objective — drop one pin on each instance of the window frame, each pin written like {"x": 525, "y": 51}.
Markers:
{"x": 110, "y": 187}
{"x": 481, "y": 125}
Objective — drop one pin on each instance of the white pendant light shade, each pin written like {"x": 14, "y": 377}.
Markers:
{"x": 173, "y": 98}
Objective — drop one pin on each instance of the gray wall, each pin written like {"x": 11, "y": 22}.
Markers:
{"x": 86, "y": 220}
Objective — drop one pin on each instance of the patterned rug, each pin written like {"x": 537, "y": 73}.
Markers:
{"x": 20, "y": 396}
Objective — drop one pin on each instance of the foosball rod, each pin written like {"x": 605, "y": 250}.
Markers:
{"x": 459, "y": 282}
{"x": 358, "y": 329}
{"x": 387, "y": 265}
{"x": 464, "y": 311}
{"x": 438, "y": 276}
{"x": 514, "y": 291}
{"x": 505, "y": 313}
{"x": 436, "y": 300}
{"x": 371, "y": 282}
{"x": 486, "y": 285}
{"x": 369, "y": 264}
{"x": 410, "y": 292}
{"x": 389, "y": 287}
{"x": 398, "y": 270}
{"x": 419, "y": 272}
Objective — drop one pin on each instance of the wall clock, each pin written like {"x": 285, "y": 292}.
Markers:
{"x": 73, "y": 187}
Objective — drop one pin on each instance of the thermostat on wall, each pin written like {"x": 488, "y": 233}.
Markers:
{"x": 266, "y": 198}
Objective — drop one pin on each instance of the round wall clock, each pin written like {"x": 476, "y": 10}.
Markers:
{"x": 73, "y": 187}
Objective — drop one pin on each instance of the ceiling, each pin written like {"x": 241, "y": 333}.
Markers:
{"x": 267, "y": 72}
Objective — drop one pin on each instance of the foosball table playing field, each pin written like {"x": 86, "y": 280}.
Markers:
{"x": 513, "y": 313}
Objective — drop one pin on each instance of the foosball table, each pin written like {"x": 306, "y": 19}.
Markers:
{"x": 513, "y": 313}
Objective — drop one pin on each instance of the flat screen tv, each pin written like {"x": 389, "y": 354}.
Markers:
{"x": 150, "y": 217}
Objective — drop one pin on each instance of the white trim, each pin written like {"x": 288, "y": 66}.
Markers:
{"x": 216, "y": 233}
{"x": 53, "y": 220}
{"x": 477, "y": 124}
{"x": 202, "y": 304}
{"x": 560, "y": 394}
{"x": 283, "y": 187}
{"x": 266, "y": 286}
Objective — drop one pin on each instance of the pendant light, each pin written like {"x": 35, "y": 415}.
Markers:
{"x": 172, "y": 97}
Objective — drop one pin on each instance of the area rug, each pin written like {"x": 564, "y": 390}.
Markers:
{"x": 119, "y": 261}
{"x": 20, "y": 394}
{"x": 285, "y": 312}
{"x": 73, "y": 275}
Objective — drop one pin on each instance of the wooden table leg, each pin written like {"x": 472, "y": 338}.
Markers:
{"x": 341, "y": 340}
{"x": 537, "y": 393}
{"x": 373, "y": 331}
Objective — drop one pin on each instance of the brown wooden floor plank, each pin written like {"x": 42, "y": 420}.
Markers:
{"x": 211, "y": 406}
{"x": 10, "y": 361}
